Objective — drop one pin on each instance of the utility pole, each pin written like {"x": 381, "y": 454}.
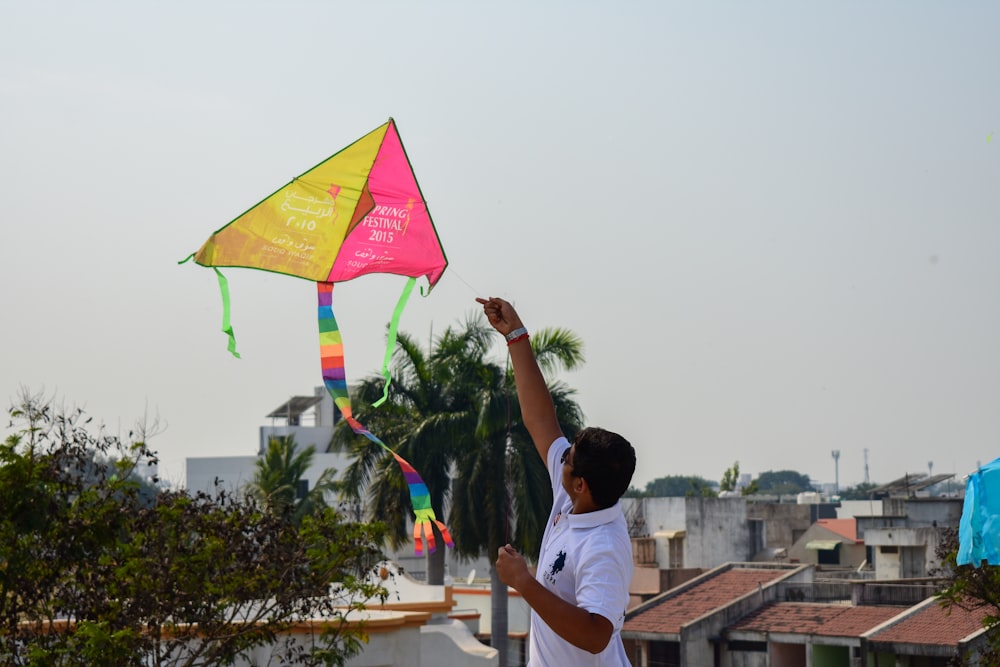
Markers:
{"x": 836, "y": 471}
{"x": 867, "y": 481}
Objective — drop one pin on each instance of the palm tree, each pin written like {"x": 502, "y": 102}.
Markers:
{"x": 427, "y": 417}
{"x": 278, "y": 479}
{"x": 502, "y": 492}
{"x": 454, "y": 414}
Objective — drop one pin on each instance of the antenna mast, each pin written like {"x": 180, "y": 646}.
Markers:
{"x": 836, "y": 471}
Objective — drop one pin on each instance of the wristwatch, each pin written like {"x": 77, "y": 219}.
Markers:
{"x": 516, "y": 333}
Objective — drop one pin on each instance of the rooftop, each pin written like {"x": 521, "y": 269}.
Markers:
{"x": 668, "y": 612}
{"x": 294, "y": 407}
{"x": 932, "y": 624}
{"x": 811, "y": 618}
{"x": 846, "y": 528}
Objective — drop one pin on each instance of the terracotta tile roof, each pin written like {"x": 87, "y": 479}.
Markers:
{"x": 668, "y": 614}
{"x": 934, "y": 625}
{"x": 812, "y": 618}
{"x": 847, "y": 528}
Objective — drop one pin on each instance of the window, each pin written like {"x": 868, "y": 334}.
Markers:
{"x": 828, "y": 556}
{"x": 664, "y": 654}
{"x": 756, "y": 647}
{"x": 757, "y": 541}
{"x": 675, "y": 546}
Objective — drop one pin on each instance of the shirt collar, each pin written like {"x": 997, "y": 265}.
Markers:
{"x": 595, "y": 518}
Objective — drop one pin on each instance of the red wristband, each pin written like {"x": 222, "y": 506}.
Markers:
{"x": 514, "y": 340}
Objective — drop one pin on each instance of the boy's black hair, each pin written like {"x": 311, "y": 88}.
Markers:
{"x": 606, "y": 461}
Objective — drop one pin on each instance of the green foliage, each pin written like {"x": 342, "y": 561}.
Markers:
{"x": 95, "y": 572}
{"x": 730, "y": 478}
{"x": 277, "y": 477}
{"x": 862, "y": 491}
{"x": 783, "y": 483}
{"x": 971, "y": 588}
{"x": 679, "y": 486}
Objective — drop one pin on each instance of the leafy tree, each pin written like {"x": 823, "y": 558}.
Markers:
{"x": 674, "y": 486}
{"x": 730, "y": 478}
{"x": 783, "y": 482}
{"x": 93, "y": 573}
{"x": 862, "y": 491}
{"x": 279, "y": 476}
{"x": 971, "y": 588}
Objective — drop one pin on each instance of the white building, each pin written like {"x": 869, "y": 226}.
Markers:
{"x": 309, "y": 418}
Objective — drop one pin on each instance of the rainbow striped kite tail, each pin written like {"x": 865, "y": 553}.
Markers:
{"x": 335, "y": 379}
{"x": 423, "y": 513}
{"x": 331, "y": 349}
{"x": 445, "y": 533}
{"x": 424, "y": 522}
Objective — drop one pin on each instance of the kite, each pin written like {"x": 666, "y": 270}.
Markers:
{"x": 360, "y": 211}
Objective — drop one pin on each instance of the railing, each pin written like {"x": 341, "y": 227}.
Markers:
{"x": 860, "y": 592}
{"x": 872, "y": 593}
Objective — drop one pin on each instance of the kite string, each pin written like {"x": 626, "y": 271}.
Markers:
{"x": 455, "y": 273}
{"x": 509, "y": 455}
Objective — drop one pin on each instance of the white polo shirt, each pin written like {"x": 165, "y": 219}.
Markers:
{"x": 585, "y": 559}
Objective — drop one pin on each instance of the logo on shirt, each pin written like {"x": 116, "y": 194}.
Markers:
{"x": 557, "y": 565}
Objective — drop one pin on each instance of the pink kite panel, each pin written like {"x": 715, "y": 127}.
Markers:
{"x": 397, "y": 236}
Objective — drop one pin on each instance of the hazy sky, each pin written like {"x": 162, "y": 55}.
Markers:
{"x": 775, "y": 225}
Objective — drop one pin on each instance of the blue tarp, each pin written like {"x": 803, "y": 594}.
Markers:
{"x": 979, "y": 530}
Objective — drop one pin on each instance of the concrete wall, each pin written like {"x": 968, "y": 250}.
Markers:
{"x": 853, "y": 508}
{"x": 887, "y": 565}
{"x": 716, "y": 529}
{"x": 394, "y": 640}
{"x": 784, "y": 523}
{"x": 446, "y": 643}
{"x": 660, "y": 513}
{"x": 926, "y": 512}
{"x": 476, "y": 598}
{"x": 744, "y": 659}
{"x": 916, "y": 555}
{"x": 717, "y": 532}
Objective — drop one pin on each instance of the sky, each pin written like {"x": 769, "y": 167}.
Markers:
{"x": 775, "y": 225}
